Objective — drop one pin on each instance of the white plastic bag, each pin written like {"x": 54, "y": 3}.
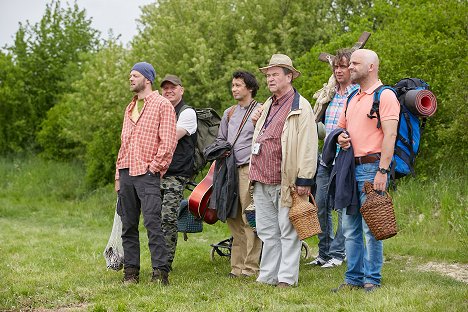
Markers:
{"x": 114, "y": 253}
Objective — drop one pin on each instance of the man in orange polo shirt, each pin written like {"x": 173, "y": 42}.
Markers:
{"x": 373, "y": 151}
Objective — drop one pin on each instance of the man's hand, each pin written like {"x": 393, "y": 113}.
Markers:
{"x": 303, "y": 190}
{"x": 256, "y": 114}
{"x": 117, "y": 185}
{"x": 344, "y": 140}
{"x": 380, "y": 182}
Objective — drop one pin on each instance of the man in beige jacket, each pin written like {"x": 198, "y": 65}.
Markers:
{"x": 284, "y": 156}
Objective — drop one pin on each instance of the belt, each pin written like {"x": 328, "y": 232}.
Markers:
{"x": 243, "y": 165}
{"x": 366, "y": 159}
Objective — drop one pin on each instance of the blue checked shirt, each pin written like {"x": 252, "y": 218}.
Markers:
{"x": 332, "y": 114}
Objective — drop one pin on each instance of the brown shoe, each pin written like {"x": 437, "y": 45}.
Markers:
{"x": 283, "y": 285}
{"x": 161, "y": 277}
{"x": 131, "y": 276}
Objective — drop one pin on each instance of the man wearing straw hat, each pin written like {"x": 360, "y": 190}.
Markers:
{"x": 284, "y": 158}
{"x": 373, "y": 151}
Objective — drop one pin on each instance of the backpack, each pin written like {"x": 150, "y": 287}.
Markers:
{"x": 410, "y": 125}
{"x": 208, "y": 122}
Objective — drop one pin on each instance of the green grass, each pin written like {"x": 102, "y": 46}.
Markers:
{"x": 53, "y": 232}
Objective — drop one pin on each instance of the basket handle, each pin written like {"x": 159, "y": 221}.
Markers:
{"x": 369, "y": 187}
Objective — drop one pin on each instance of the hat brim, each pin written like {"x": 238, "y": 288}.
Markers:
{"x": 295, "y": 72}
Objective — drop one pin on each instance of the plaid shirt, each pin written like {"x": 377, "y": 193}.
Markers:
{"x": 332, "y": 114}
{"x": 150, "y": 142}
{"x": 266, "y": 166}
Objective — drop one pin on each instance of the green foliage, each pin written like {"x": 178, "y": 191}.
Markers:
{"x": 62, "y": 93}
{"x": 47, "y": 59}
{"x": 86, "y": 123}
{"x": 206, "y": 41}
{"x": 425, "y": 39}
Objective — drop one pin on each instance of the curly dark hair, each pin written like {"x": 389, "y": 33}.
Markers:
{"x": 249, "y": 80}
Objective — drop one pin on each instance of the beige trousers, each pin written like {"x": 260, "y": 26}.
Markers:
{"x": 246, "y": 246}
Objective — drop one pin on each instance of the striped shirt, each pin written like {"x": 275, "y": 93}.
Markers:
{"x": 335, "y": 107}
{"x": 265, "y": 167}
{"x": 148, "y": 143}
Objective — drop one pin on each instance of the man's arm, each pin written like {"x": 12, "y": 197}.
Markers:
{"x": 389, "y": 128}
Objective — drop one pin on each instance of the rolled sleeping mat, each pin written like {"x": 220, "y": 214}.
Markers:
{"x": 421, "y": 102}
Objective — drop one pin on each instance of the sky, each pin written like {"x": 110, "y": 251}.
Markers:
{"x": 120, "y": 15}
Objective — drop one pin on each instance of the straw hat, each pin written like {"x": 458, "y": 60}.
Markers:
{"x": 281, "y": 60}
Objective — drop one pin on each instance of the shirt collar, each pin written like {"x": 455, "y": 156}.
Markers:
{"x": 371, "y": 88}
{"x": 276, "y": 101}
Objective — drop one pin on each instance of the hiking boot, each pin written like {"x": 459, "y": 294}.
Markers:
{"x": 333, "y": 262}
{"x": 161, "y": 277}
{"x": 131, "y": 276}
{"x": 317, "y": 261}
{"x": 346, "y": 287}
{"x": 370, "y": 287}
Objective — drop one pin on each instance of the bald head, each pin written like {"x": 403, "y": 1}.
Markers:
{"x": 364, "y": 67}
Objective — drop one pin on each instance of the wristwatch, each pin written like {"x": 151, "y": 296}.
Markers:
{"x": 383, "y": 170}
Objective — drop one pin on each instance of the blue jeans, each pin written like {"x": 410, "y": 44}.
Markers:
{"x": 365, "y": 260}
{"x": 330, "y": 246}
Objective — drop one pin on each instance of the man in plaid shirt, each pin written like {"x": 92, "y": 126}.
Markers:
{"x": 148, "y": 142}
{"x": 332, "y": 245}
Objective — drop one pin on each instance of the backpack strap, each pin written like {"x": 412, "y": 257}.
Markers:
{"x": 349, "y": 99}
{"x": 376, "y": 103}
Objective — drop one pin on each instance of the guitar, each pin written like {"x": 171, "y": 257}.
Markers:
{"x": 200, "y": 197}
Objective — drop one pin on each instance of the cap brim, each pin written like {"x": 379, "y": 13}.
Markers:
{"x": 176, "y": 83}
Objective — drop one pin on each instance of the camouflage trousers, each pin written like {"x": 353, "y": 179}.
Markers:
{"x": 172, "y": 191}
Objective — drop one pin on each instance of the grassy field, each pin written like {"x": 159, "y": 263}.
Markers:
{"x": 53, "y": 232}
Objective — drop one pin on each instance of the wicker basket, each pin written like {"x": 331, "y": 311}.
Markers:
{"x": 378, "y": 213}
{"x": 250, "y": 213}
{"x": 303, "y": 216}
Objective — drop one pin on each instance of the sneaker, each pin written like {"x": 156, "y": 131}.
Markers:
{"x": 333, "y": 262}
{"x": 131, "y": 276}
{"x": 161, "y": 277}
{"x": 317, "y": 261}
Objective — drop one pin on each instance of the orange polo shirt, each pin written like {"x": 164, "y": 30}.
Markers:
{"x": 365, "y": 137}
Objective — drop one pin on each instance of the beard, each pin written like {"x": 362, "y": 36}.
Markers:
{"x": 356, "y": 77}
{"x": 138, "y": 87}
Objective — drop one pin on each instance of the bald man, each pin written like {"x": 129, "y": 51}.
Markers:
{"x": 373, "y": 151}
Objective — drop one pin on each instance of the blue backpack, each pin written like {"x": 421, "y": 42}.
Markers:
{"x": 410, "y": 126}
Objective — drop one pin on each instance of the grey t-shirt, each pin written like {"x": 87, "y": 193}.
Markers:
{"x": 228, "y": 131}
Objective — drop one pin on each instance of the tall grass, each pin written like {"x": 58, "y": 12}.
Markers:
{"x": 53, "y": 232}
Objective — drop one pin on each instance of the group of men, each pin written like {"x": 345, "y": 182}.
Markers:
{"x": 275, "y": 145}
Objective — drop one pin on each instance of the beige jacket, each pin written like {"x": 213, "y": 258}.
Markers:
{"x": 299, "y": 144}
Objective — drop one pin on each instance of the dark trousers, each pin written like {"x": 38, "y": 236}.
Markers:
{"x": 142, "y": 193}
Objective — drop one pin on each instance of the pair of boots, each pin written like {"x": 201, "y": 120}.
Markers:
{"x": 132, "y": 276}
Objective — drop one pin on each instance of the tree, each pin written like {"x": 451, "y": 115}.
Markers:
{"x": 47, "y": 58}
{"x": 414, "y": 38}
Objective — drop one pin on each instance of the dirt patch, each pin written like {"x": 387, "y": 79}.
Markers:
{"x": 78, "y": 307}
{"x": 457, "y": 271}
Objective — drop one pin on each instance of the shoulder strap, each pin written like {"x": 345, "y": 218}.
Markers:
{"x": 349, "y": 100}
{"x": 376, "y": 103}
{"x": 231, "y": 112}
{"x": 249, "y": 111}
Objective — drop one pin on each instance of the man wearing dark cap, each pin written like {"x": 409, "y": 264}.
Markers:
{"x": 148, "y": 142}
{"x": 285, "y": 141}
{"x": 181, "y": 167}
